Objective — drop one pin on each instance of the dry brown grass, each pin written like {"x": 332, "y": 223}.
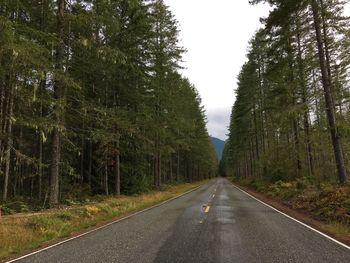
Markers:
{"x": 339, "y": 230}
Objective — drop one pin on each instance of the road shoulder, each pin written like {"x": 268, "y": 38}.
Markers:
{"x": 100, "y": 224}
{"x": 300, "y": 215}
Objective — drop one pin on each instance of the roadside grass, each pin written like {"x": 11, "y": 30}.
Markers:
{"x": 339, "y": 230}
{"x": 323, "y": 201}
{"x": 24, "y": 233}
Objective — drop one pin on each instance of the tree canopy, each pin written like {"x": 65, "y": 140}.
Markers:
{"x": 290, "y": 118}
{"x": 92, "y": 101}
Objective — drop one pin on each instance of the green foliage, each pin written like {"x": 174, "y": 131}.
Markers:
{"x": 136, "y": 184}
{"x": 280, "y": 128}
{"x": 104, "y": 78}
{"x": 283, "y": 189}
{"x": 15, "y": 207}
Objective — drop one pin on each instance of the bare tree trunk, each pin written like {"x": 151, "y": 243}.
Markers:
{"x": 308, "y": 141}
{"x": 58, "y": 92}
{"x": 304, "y": 99}
{"x": 164, "y": 173}
{"x": 155, "y": 170}
{"x": 105, "y": 181}
{"x": 159, "y": 183}
{"x": 40, "y": 175}
{"x": 188, "y": 167}
{"x": 294, "y": 100}
{"x": 90, "y": 163}
{"x": 325, "y": 39}
{"x": 246, "y": 167}
{"x": 251, "y": 158}
{"x": 326, "y": 81}
{"x": 117, "y": 171}
{"x": 40, "y": 140}
{"x": 171, "y": 168}
{"x": 82, "y": 157}
{"x": 42, "y": 88}
{"x": 2, "y": 116}
{"x": 20, "y": 168}
{"x": 257, "y": 151}
{"x": 178, "y": 167}
{"x": 296, "y": 144}
{"x": 54, "y": 178}
{"x": 8, "y": 144}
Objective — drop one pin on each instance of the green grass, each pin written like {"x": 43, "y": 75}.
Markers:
{"x": 29, "y": 232}
{"x": 339, "y": 230}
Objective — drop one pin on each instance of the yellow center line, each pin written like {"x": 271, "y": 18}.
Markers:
{"x": 207, "y": 209}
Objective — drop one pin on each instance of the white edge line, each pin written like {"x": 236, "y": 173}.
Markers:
{"x": 292, "y": 218}
{"x": 104, "y": 226}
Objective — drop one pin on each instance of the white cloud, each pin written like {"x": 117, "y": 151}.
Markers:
{"x": 218, "y": 122}
{"x": 216, "y": 35}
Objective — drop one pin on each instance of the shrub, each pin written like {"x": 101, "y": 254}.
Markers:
{"x": 15, "y": 207}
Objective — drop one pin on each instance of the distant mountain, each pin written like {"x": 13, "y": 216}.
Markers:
{"x": 219, "y": 146}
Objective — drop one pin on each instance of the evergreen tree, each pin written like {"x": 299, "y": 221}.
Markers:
{"x": 91, "y": 101}
{"x": 290, "y": 92}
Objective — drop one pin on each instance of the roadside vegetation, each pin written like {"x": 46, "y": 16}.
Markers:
{"x": 26, "y": 231}
{"x": 289, "y": 132}
{"x": 327, "y": 203}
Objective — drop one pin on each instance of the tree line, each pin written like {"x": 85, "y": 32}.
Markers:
{"x": 291, "y": 114}
{"x": 92, "y": 101}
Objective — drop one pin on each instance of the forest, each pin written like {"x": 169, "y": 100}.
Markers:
{"x": 92, "y": 101}
{"x": 291, "y": 116}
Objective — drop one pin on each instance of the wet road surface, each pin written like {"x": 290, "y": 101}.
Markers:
{"x": 216, "y": 223}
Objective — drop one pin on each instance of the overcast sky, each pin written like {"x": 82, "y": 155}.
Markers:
{"x": 216, "y": 35}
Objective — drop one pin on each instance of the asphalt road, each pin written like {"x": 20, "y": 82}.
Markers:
{"x": 216, "y": 223}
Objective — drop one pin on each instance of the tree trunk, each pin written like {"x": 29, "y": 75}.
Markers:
{"x": 326, "y": 82}
{"x": 178, "y": 167}
{"x": 188, "y": 167}
{"x": 117, "y": 171}
{"x": 42, "y": 88}
{"x": 2, "y": 116}
{"x": 296, "y": 144}
{"x": 90, "y": 163}
{"x": 257, "y": 151}
{"x": 304, "y": 100}
{"x": 54, "y": 178}
{"x": 58, "y": 92}
{"x": 8, "y": 144}
{"x": 325, "y": 39}
{"x": 171, "y": 168}
{"x": 157, "y": 169}
{"x": 40, "y": 174}
{"x": 105, "y": 181}
{"x": 82, "y": 157}
{"x": 159, "y": 183}
{"x": 294, "y": 102}
{"x": 40, "y": 140}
